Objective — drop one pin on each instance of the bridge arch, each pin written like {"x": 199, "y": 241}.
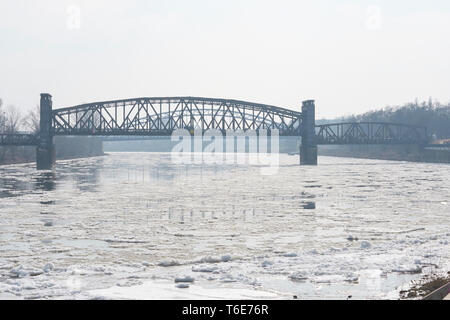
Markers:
{"x": 162, "y": 115}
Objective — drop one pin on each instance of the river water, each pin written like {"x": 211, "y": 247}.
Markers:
{"x": 126, "y": 225}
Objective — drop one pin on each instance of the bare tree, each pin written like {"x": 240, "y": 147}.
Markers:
{"x": 12, "y": 119}
{"x": 31, "y": 121}
{"x": 2, "y": 117}
{"x": 9, "y": 123}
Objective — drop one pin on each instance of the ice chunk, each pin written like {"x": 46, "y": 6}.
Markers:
{"x": 351, "y": 277}
{"x": 209, "y": 259}
{"x": 298, "y": 276}
{"x": 290, "y": 255}
{"x": 204, "y": 268}
{"x": 226, "y": 258}
{"x": 168, "y": 263}
{"x": 21, "y": 271}
{"x": 266, "y": 263}
{"x": 18, "y": 272}
{"x": 411, "y": 270}
{"x": 184, "y": 279}
{"x": 129, "y": 283}
{"x": 48, "y": 267}
{"x": 228, "y": 278}
{"x": 365, "y": 245}
{"x": 35, "y": 272}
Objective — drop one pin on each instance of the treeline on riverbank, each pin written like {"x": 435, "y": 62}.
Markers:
{"x": 14, "y": 121}
{"x": 412, "y": 153}
{"x": 431, "y": 114}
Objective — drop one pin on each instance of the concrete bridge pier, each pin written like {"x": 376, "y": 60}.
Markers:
{"x": 45, "y": 151}
{"x": 308, "y": 148}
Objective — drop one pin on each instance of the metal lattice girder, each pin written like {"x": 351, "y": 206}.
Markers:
{"x": 17, "y": 139}
{"x": 161, "y": 116}
{"x": 370, "y": 133}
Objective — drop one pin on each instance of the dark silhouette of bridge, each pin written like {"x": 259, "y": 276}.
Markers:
{"x": 161, "y": 116}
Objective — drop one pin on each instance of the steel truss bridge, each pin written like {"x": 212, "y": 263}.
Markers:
{"x": 161, "y": 116}
{"x": 370, "y": 133}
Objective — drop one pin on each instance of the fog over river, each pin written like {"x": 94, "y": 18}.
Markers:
{"x": 126, "y": 225}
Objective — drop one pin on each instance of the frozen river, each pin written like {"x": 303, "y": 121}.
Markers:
{"x": 126, "y": 225}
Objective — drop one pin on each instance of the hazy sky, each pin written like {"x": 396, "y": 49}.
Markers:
{"x": 350, "y": 56}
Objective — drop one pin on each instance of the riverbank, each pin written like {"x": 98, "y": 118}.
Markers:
{"x": 425, "y": 286}
{"x": 412, "y": 153}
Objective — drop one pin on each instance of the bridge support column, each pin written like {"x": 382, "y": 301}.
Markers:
{"x": 308, "y": 148}
{"x": 45, "y": 151}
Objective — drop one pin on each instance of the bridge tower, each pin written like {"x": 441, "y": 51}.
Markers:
{"x": 45, "y": 151}
{"x": 308, "y": 148}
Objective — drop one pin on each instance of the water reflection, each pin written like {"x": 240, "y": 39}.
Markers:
{"x": 11, "y": 186}
{"x": 142, "y": 207}
{"x": 192, "y": 216}
{"x": 45, "y": 181}
{"x": 49, "y": 202}
{"x": 309, "y": 205}
{"x": 88, "y": 180}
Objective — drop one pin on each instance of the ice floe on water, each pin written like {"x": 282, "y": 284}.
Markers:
{"x": 159, "y": 289}
{"x": 136, "y": 226}
{"x": 205, "y": 268}
{"x": 169, "y": 263}
{"x": 209, "y": 259}
{"x": 184, "y": 279}
{"x": 21, "y": 271}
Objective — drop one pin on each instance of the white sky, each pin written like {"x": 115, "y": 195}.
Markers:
{"x": 350, "y": 56}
